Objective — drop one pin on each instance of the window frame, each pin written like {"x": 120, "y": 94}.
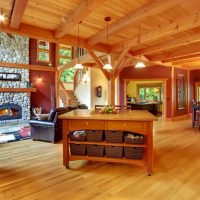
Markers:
{"x": 65, "y": 47}
{"x": 43, "y": 50}
{"x": 145, "y": 86}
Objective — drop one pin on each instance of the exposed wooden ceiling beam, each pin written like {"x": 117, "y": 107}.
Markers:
{"x": 186, "y": 50}
{"x": 99, "y": 62}
{"x": 191, "y": 67}
{"x": 81, "y": 12}
{"x": 17, "y": 13}
{"x": 122, "y": 65}
{"x": 161, "y": 32}
{"x": 196, "y": 55}
{"x": 147, "y": 61}
{"x": 47, "y": 35}
{"x": 150, "y": 8}
{"x": 185, "y": 40}
{"x": 27, "y": 66}
{"x": 82, "y": 59}
{"x": 187, "y": 61}
{"x": 119, "y": 60}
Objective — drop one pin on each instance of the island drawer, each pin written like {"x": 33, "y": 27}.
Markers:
{"x": 86, "y": 124}
{"x": 125, "y": 125}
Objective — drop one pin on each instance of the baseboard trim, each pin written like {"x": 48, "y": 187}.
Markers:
{"x": 180, "y": 117}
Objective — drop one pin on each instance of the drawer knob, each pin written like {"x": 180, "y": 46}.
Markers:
{"x": 86, "y": 123}
{"x": 124, "y": 124}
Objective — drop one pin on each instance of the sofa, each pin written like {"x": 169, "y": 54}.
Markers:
{"x": 50, "y": 129}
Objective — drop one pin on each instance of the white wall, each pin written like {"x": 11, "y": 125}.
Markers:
{"x": 83, "y": 91}
{"x": 98, "y": 79}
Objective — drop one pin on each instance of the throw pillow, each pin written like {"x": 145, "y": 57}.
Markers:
{"x": 42, "y": 117}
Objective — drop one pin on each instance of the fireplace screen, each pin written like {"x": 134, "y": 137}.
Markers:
{"x": 10, "y": 111}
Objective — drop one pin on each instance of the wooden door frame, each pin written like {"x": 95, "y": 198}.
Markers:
{"x": 164, "y": 80}
{"x": 196, "y": 84}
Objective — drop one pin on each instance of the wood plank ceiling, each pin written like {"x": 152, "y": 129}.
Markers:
{"x": 170, "y": 30}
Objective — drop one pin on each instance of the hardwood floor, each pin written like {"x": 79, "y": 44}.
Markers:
{"x": 31, "y": 170}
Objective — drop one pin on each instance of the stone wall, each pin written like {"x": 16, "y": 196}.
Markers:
{"x": 15, "y": 50}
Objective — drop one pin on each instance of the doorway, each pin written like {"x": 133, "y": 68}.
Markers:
{"x": 151, "y": 93}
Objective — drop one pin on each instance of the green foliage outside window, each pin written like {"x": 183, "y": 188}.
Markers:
{"x": 68, "y": 75}
{"x": 150, "y": 93}
{"x": 65, "y": 52}
{"x": 65, "y": 57}
{"x": 43, "y": 56}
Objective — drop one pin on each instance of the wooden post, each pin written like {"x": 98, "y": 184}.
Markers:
{"x": 57, "y": 76}
{"x": 188, "y": 92}
{"x": 173, "y": 92}
{"x": 112, "y": 91}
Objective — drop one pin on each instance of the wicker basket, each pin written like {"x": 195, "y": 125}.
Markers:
{"x": 139, "y": 140}
{"x": 94, "y": 135}
{"x": 75, "y": 138}
{"x": 133, "y": 152}
{"x": 114, "y": 136}
{"x": 95, "y": 150}
{"x": 114, "y": 151}
{"x": 78, "y": 149}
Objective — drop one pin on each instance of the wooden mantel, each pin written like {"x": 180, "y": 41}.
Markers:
{"x": 18, "y": 90}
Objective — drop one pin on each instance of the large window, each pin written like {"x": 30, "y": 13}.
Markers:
{"x": 43, "y": 51}
{"x": 65, "y": 55}
{"x": 151, "y": 93}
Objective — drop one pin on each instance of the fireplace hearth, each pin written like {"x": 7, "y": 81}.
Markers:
{"x": 10, "y": 112}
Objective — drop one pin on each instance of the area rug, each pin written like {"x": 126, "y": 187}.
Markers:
{"x": 14, "y": 133}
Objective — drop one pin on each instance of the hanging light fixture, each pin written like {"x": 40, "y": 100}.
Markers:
{"x": 108, "y": 65}
{"x": 2, "y": 17}
{"x": 139, "y": 63}
{"x": 78, "y": 65}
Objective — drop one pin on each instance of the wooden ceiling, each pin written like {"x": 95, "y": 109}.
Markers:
{"x": 170, "y": 29}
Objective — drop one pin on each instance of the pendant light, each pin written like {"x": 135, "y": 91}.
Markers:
{"x": 2, "y": 17}
{"x": 139, "y": 63}
{"x": 108, "y": 65}
{"x": 78, "y": 65}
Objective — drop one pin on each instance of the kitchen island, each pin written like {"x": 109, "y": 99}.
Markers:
{"x": 139, "y": 121}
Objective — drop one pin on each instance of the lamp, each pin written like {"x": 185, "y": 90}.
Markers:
{"x": 2, "y": 17}
{"x": 139, "y": 63}
{"x": 107, "y": 66}
{"x": 78, "y": 65}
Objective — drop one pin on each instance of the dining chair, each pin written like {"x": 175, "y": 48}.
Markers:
{"x": 195, "y": 114}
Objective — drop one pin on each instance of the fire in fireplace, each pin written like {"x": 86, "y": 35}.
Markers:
{"x": 10, "y": 111}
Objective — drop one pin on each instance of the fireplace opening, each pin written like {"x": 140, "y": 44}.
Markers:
{"x": 10, "y": 111}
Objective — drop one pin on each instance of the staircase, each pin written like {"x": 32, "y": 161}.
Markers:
{"x": 72, "y": 101}
{"x": 68, "y": 98}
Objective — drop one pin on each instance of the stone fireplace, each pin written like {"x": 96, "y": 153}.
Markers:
{"x": 14, "y": 105}
{"x": 10, "y": 111}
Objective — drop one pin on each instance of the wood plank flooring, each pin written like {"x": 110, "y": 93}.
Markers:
{"x": 33, "y": 170}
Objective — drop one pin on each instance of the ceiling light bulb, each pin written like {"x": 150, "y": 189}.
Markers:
{"x": 78, "y": 66}
{"x": 140, "y": 65}
{"x": 2, "y": 18}
{"x": 107, "y": 67}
